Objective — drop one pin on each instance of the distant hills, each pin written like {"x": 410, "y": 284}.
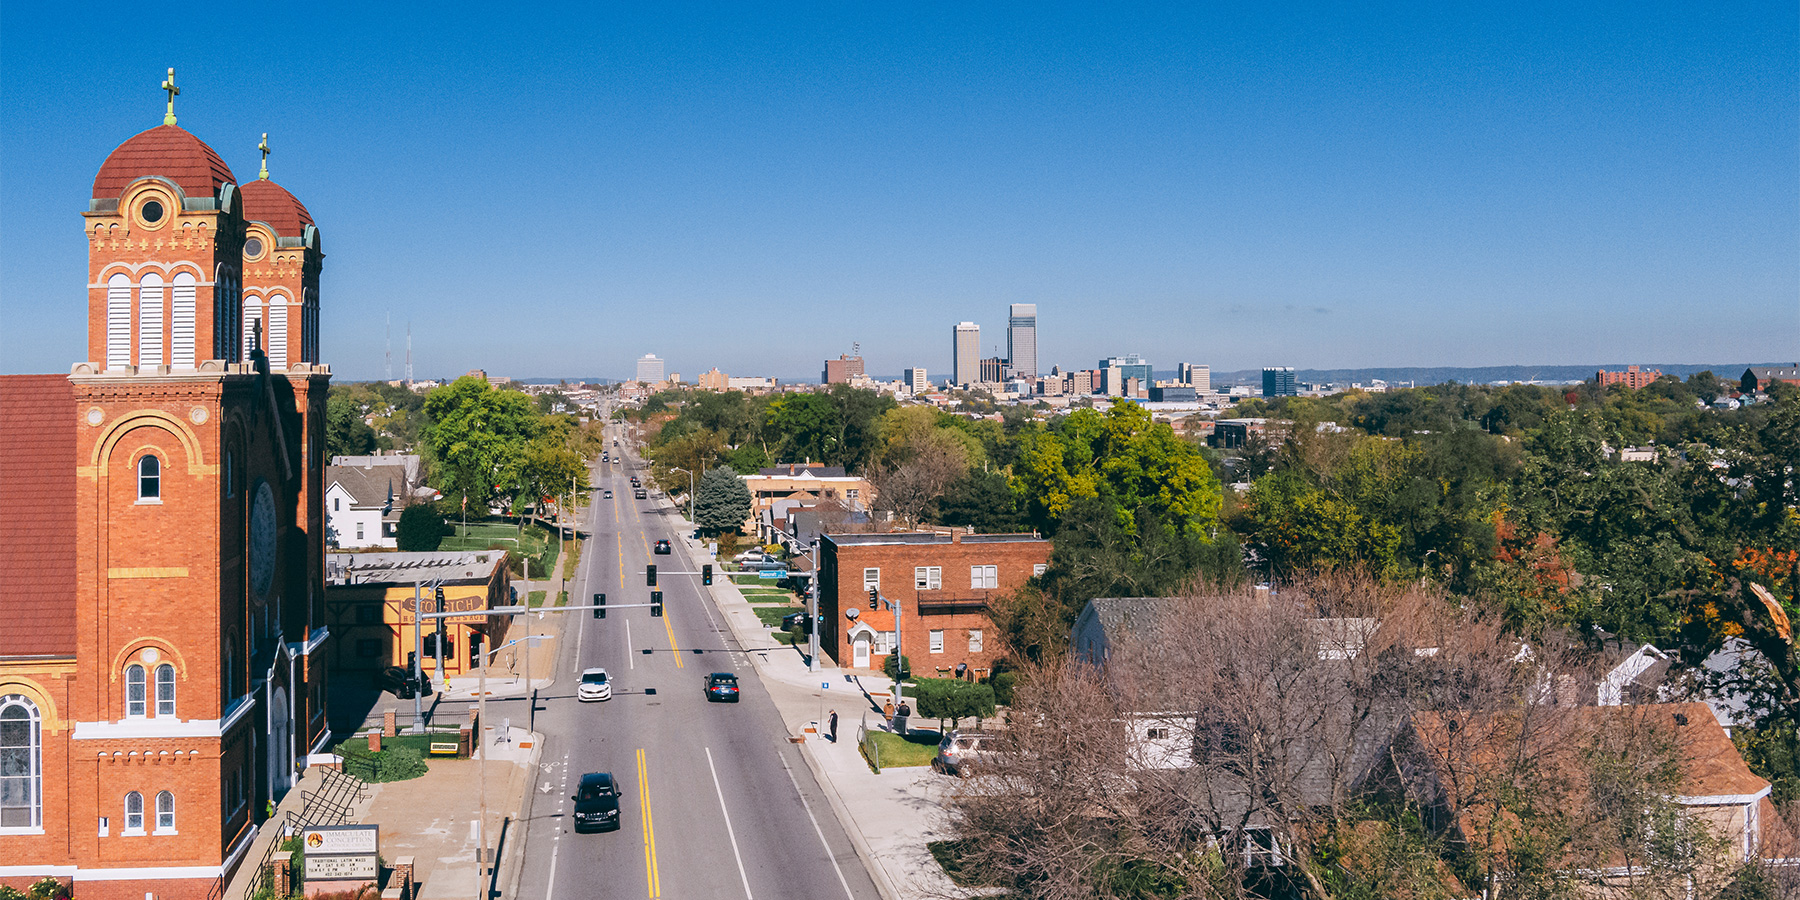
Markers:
{"x": 1473, "y": 374}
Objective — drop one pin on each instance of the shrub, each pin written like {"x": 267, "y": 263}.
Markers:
{"x": 953, "y": 699}
{"x": 398, "y": 764}
{"x": 421, "y": 529}
{"x": 8, "y": 892}
{"x": 1003, "y": 687}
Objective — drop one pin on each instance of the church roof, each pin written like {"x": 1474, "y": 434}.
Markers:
{"x": 37, "y": 534}
{"x": 271, "y": 204}
{"x": 168, "y": 151}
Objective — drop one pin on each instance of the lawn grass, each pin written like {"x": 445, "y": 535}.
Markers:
{"x": 772, "y": 615}
{"x": 536, "y": 599}
{"x": 562, "y": 598}
{"x": 783, "y": 637}
{"x": 535, "y": 542}
{"x": 902, "y": 752}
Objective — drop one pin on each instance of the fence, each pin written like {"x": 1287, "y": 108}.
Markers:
{"x": 871, "y": 750}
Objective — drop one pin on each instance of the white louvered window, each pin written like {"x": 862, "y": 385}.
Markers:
{"x": 984, "y": 577}
{"x": 871, "y": 579}
{"x": 252, "y": 315}
{"x": 118, "y": 321}
{"x": 150, "y": 320}
{"x": 277, "y": 341}
{"x": 181, "y": 321}
{"x": 928, "y": 578}
{"x": 937, "y": 640}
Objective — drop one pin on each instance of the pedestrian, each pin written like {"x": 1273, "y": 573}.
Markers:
{"x": 887, "y": 711}
{"x": 834, "y": 726}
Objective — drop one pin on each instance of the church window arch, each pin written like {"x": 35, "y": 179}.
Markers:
{"x": 149, "y": 477}
{"x": 165, "y": 690}
{"x": 136, "y": 705}
{"x": 165, "y": 812}
{"x": 182, "y": 291}
{"x": 150, "y": 319}
{"x": 134, "y": 813}
{"x": 21, "y": 764}
{"x": 118, "y": 321}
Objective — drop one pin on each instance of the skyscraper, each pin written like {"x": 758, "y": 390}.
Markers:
{"x": 649, "y": 369}
{"x": 1198, "y": 376}
{"x": 966, "y": 354}
{"x": 916, "y": 380}
{"x": 1021, "y": 340}
{"x": 1278, "y": 381}
{"x": 1129, "y": 366}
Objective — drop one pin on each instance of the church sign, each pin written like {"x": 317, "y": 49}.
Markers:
{"x": 341, "y": 852}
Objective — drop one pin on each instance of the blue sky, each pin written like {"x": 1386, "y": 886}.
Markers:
{"x": 551, "y": 190}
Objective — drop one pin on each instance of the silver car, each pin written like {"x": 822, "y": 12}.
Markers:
{"x": 959, "y": 752}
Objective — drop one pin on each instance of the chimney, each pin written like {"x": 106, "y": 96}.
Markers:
{"x": 956, "y": 535}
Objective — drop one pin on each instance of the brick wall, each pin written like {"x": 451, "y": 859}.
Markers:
{"x": 955, "y": 608}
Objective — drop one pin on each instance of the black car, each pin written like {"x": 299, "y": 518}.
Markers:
{"x": 721, "y": 687}
{"x": 639, "y": 494}
{"x": 597, "y": 803}
{"x": 398, "y": 681}
{"x": 635, "y": 482}
{"x": 662, "y": 548}
{"x": 791, "y": 619}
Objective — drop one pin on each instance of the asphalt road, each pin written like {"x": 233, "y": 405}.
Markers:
{"x": 715, "y": 802}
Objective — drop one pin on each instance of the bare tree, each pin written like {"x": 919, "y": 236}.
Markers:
{"x": 915, "y": 473}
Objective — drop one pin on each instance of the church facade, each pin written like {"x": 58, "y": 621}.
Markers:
{"x": 162, "y": 635}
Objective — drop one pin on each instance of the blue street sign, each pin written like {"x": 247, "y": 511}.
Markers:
{"x": 772, "y": 574}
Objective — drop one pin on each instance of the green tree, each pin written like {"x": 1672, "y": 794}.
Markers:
{"x": 479, "y": 438}
{"x": 421, "y": 529}
{"x": 953, "y": 699}
{"x": 984, "y": 501}
{"x": 346, "y": 434}
{"x": 721, "y": 503}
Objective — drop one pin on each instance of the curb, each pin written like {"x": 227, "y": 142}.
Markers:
{"x": 512, "y": 868}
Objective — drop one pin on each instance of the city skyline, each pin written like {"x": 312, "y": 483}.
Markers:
{"x": 1421, "y": 187}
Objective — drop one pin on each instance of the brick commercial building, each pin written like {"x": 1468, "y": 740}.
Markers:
{"x": 162, "y": 534}
{"x": 1632, "y": 377}
{"x": 369, "y": 608}
{"x": 807, "y": 482}
{"x": 942, "y": 581}
{"x": 842, "y": 370}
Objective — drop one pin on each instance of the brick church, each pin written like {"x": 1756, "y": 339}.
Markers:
{"x": 162, "y": 536}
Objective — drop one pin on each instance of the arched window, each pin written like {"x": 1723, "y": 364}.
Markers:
{"x": 150, "y": 320}
{"x": 181, "y": 321}
{"x": 165, "y": 690}
{"x": 134, "y": 812}
{"x": 134, "y": 691}
{"x": 149, "y": 478}
{"x": 21, "y": 764}
{"x": 165, "y": 811}
{"x": 118, "y": 321}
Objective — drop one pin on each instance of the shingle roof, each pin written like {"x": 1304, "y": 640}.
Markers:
{"x": 370, "y": 487}
{"x": 271, "y": 204}
{"x": 170, "y": 152}
{"x": 37, "y": 515}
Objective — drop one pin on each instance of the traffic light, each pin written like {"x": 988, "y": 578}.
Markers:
{"x": 706, "y": 574}
{"x": 599, "y": 606}
{"x": 656, "y": 603}
{"x": 874, "y": 598}
{"x": 650, "y": 576}
{"x": 440, "y": 598}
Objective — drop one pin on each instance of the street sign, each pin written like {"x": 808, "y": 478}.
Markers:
{"x": 772, "y": 574}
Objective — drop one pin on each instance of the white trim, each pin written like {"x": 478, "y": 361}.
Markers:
{"x": 319, "y": 745}
{"x": 138, "y": 728}
{"x": 16, "y": 830}
{"x": 148, "y": 872}
{"x": 38, "y": 870}
{"x": 231, "y": 859}
{"x": 1723, "y": 799}
{"x": 241, "y": 708}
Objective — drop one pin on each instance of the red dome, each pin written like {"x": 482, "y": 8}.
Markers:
{"x": 271, "y": 204}
{"x": 167, "y": 151}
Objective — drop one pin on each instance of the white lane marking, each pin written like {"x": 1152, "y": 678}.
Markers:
{"x": 729, "y": 832}
{"x": 630, "y": 660}
{"x": 815, "y": 820}
{"x": 550, "y": 889}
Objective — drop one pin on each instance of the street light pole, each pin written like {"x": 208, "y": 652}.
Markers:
{"x": 812, "y": 610}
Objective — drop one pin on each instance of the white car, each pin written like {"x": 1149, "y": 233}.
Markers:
{"x": 594, "y": 686}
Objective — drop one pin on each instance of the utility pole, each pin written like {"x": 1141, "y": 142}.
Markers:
{"x": 418, "y": 659}
{"x": 812, "y": 610}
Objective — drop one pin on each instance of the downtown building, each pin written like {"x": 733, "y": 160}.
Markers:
{"x": 162, "y": 674}
{"x": 1021, "y": 341}
{"x": 1278, "y": 381}
{"x": 965, "y": 354}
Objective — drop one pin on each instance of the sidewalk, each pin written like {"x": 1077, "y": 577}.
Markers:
{"x": 890, "y": 817}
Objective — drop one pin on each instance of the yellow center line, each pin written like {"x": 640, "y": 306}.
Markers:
{"x": 669, "y": 628}
{"x": 652, "y": 878}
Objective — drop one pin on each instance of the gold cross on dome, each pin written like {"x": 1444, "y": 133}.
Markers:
{"x": 264, "y": 147}
{"x": 169, "y": 85}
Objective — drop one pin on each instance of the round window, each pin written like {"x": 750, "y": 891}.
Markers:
{"x": 151, "y": 212}
{"x": 253, "y": 248}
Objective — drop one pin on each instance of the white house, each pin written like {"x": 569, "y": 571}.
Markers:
{"x": 362, "y": 506}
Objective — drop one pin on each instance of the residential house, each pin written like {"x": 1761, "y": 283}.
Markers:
{"x": 942, "y": 581}
{"x": 811, "y": 481}
{"x": 363, "y": 505}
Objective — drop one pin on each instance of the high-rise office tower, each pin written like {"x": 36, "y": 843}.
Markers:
{"x": 917, "y": 381}
{"x": 1200, "y": 377}
{"x": 1021, "y": 340}
{"x": 1278, "y": 381}
{"x": 650, "y": 369}
{"x": 966, "y": 355}
{"x": 1129, "y": 366}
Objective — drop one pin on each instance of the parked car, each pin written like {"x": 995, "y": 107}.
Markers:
{"x": 791, "y": 619}
{"x": 959, "y": 753}
{"x": 662, "y": 548}
{"x": 751, "y": 555}
{"x": 398, "y": 681}
{"x": 721, "y": 687}
{"x": 594, "y": 686}
{"x": 597, "y": 803}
